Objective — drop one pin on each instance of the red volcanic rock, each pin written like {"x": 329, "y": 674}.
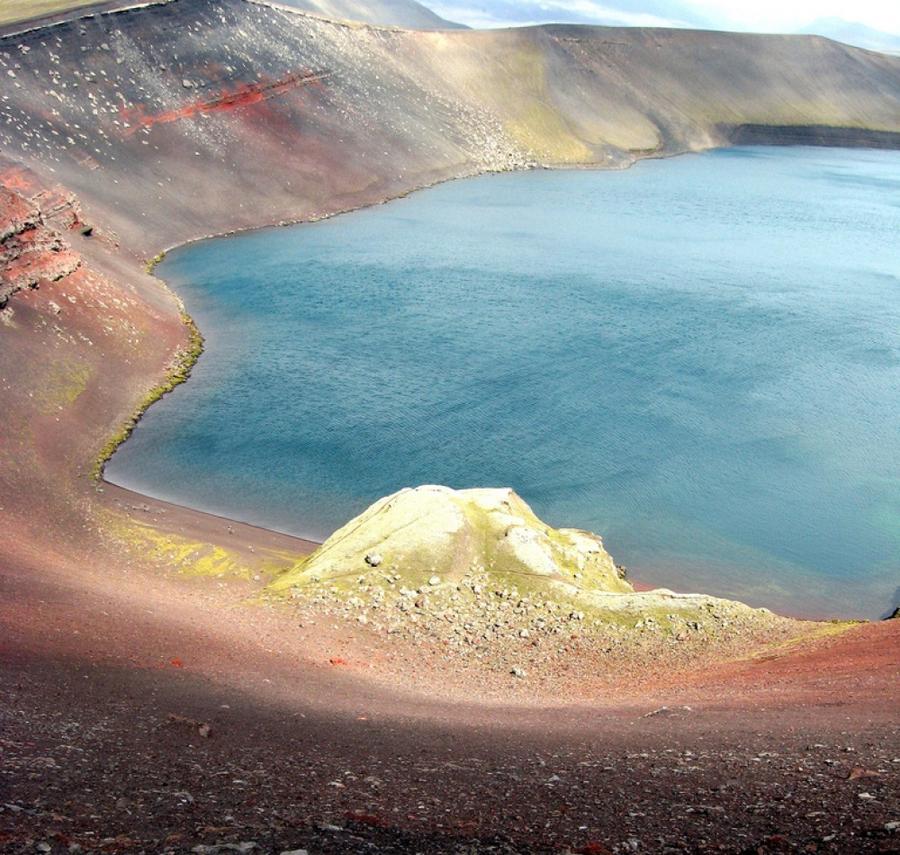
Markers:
{"x": 31, "y": 250}
{"x": 16, "y": 214}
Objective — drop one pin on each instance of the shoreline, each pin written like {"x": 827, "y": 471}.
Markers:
{"x": 188, "y": 358}
{"x": 184, "y": 519}
{"x": 196, "y": 520}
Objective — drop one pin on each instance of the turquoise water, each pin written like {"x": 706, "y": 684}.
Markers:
{"x": 697, "y": 358}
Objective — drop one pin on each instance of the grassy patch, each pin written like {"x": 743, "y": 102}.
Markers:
{"x": 178, "y": 372}
{"x": 63, "y": 385}
{"x": 810, "y": 631}
{"x": 151, "y": 263}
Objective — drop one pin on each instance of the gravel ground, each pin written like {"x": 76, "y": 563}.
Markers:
{"x": 118, "y": 760}
{"x": 141, "y": 711}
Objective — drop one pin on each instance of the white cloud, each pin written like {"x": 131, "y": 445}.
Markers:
{"x": 779, "y": 15}
{"x": 589, "y": 9}
{"x": 480, "y": 19}
{"x": 541, "y": 11}
{"x": 783, "y": 16}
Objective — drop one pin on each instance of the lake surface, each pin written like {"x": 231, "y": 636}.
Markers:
{"x": 697, "y": 358}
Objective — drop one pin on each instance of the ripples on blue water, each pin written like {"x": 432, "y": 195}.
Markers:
{"x": 698, "y": 358}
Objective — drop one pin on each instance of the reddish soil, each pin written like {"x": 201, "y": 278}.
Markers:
{"x": 110, "y": 672}
{"x": 143, "y": 711}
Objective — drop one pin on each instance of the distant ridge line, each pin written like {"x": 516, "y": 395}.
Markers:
{"x": 112, "y": 7}
{"x": 815, "y": 135}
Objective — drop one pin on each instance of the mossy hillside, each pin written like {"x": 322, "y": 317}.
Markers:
{"x": 433, "y": 531}
{"x": 476, "y": 566}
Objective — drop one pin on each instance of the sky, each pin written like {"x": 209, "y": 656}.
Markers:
{"x": 761, "y": 15}
{"x": 750, "y": 15}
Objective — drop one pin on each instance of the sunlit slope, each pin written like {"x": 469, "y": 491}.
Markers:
{"x": 433, "y": 536}
{"x": 435, "y": 558}
{"x": 13, "y": 11}
{"x": 387, "y": 13}
{"x": 178, "y": 120}
{"x": 572, "y": 94}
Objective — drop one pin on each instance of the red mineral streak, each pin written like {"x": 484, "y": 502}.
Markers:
{"x": 243, "y": 95}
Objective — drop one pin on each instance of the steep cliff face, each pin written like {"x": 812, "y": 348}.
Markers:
{"x": 181, "y": 119}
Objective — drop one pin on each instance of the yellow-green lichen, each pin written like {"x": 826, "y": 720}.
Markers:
{"x": 179, "y": 371}
{"x": 151, "y": 263}
{"x": 62, "y": 385}
{"x": 190, "y": 557}
{"x": 810, "y": 631}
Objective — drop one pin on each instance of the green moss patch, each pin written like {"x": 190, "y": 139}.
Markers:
{"x": 177, "y": 373}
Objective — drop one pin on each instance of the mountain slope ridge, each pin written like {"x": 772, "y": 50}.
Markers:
{"x": 403, "y": 14}
{"x": 187, "y": 89}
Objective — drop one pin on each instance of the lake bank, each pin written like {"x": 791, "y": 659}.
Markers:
{"x": 763, "y": 305}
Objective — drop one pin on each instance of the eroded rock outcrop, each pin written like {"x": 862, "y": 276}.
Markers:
{"x": 473, "y": 566}
{"x": 31, "y": 250}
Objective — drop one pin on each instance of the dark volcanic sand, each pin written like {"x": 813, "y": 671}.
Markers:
{"x": 97, "y": 659}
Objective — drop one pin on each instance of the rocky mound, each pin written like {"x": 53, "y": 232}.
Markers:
{"x": 437, "y": 536}
{"x": 469, "y": 567}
